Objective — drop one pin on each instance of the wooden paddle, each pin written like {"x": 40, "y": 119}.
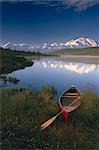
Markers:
{"x": 48, "y": 122}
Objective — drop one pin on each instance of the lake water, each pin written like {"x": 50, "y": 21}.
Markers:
{"x": 60, "y": 73}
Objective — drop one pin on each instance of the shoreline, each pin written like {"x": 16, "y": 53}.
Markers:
{"x": 81, "y": 59}
{"x": 82, "y": 56}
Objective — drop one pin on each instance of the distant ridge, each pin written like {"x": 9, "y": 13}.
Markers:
{"x": 81, "y": 42}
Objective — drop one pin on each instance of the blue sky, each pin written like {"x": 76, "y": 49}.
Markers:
{"x": 48, "y": 21}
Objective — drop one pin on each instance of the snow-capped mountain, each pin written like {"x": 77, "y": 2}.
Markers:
{"x": 6, "y": 45}
{"x": 74, "y": 43}
{"x": 82, "y": 42}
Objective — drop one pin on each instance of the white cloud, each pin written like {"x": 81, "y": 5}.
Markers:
{"x": 79, "y": 5}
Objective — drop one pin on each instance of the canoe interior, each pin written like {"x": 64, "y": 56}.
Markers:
{"x": 65, "y": 101}
{"x": 72, "y": 94}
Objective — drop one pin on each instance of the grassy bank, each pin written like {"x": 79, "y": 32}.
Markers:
{"x": 78, "y": 51}
{"x": 23, "y": 112}
{"x": 12, "y": 60}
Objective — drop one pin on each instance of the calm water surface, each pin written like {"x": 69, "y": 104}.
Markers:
{"x": 61, "y": 74}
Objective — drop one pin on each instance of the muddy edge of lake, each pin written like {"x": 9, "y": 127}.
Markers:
{"x": 80, "y": 59}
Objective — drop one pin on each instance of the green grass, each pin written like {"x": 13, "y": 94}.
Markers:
{"x": 13, "y": 80}
{"x": 9, "y": 79}
{"x": 22, "y": 113}
{"x": 78, "y": 51}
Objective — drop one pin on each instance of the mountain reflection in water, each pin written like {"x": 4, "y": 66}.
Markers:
{"x": 73, "y": 67}
{"x": 58, "y": 73}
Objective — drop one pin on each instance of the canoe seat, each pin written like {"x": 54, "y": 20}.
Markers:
{"x": 70, "y": 96}
{"x": 71, "y": 93}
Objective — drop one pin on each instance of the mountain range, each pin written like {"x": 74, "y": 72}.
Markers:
{"x": 81, "y": 42}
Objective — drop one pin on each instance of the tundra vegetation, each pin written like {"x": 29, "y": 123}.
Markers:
{"x": 91, "y": 51}
{"x": 23, "y": 111}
